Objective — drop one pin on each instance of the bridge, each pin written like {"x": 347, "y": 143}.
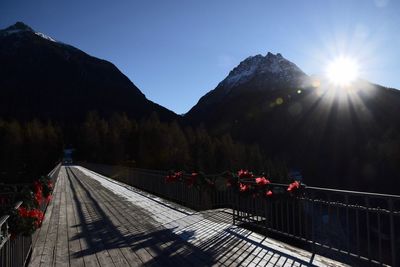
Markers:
{"x": 95, "y": 220}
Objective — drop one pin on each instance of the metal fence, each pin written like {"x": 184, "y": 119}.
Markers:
{"x": 154, "y": 182}
{"x": 354, "y": 227}
{"x": 15, "y": 251}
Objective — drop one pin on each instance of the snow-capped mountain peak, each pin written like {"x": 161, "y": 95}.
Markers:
{"x": 276, "y": 65}
{"x": 244, "y": 70}
{"x": 20, "y": 27}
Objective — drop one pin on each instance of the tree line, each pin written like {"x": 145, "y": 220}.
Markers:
{"x": 30, "y": 149}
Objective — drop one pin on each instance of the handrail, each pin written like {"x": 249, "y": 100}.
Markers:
{"x": 352, "y": 192}
{"x": 372, "y": 194}
{"x": 250, "y": 180}
{"x": 4, "y": 235}
{"x": 4, "y": 219}
{"x": 18, "y": 204}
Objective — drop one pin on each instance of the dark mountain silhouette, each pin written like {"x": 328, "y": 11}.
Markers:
{"x": 46, "y": 79}
{"x": 337, "y": 137}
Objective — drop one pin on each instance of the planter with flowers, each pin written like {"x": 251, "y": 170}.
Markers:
{"x": 244, "y": 183}
{"x": 30, "y": 215}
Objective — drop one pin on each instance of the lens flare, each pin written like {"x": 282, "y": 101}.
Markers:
{"x": 342, "y": 71}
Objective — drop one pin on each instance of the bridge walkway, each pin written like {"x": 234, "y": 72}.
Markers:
{"x": 96, "y": 221}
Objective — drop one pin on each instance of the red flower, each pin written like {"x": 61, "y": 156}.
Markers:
{"x": 294, "y": 186}
{"x": 243, "y": 187}
{"x": 48, "y": 199}
{"x": 38, "y": 191}
{"x": 170, "y": 178}
{"x": 38, "y": 186}
{"x": 173, "y": 177}
{"x": 23, "y": 212}
{"x": 38, "y": 216}
{"x": 192, "y": 179}
{"x": 35, "y": 214}
{"x": 269, "y": 193}
{"x": 245, "y": 174}
{"x": 262, "y": 181}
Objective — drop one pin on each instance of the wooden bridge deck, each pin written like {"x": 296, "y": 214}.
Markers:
{"x": 95, "y": 221}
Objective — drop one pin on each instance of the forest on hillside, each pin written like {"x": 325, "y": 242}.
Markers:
{"x": 31, "y": 149}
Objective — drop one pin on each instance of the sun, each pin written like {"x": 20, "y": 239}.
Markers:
{"x": 342, "y": 71}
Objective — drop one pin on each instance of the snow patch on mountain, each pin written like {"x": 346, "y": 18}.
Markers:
{"x": 244, "y": 71}
{"x": 277, "y": 65}
{"x": 44, "y": 36}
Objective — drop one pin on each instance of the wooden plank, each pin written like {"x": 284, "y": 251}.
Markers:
{"x": 47, "y": 258}
{"x": 119, "y": 258}
{"x": 205, "y": 231}
{"x": 138, "y": 257}
{"x": 161, "y": 239}
{"x": 89, "y": 259}
{"x": 62, "y": 252}
{"x": 89, "y": 220}
{"x": 74, "y": 242}
{"x": 115, "y": 253}
{"x": 135, "y": 225}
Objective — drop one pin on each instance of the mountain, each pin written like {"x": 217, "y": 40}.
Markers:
{"x": 254, "y": 75}
{"x": 336, "y": 137}
{"x": 46, "y": 79}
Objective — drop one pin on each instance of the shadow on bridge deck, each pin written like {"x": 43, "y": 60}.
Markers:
{"x": 93, "y": 221}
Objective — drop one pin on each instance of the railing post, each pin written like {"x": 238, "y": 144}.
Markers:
{"x": 368, "y": 231}
{"x": 358, "y": 234}
{"x": 234, "y": 211}
{"x": 312, "y": 224}
{"x": 392, "y": 234}
{"x": 347, "y": 224}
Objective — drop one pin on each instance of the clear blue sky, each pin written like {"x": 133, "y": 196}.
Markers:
{"x": 176, "y": 51}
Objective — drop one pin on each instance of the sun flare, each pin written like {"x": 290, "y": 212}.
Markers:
{"x": 342, "y": 71}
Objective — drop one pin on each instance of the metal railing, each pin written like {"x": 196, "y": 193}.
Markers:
{"x": 15, "y": 251}
{"x": 354, "y": 227}
{"x": 154, "y": 182}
